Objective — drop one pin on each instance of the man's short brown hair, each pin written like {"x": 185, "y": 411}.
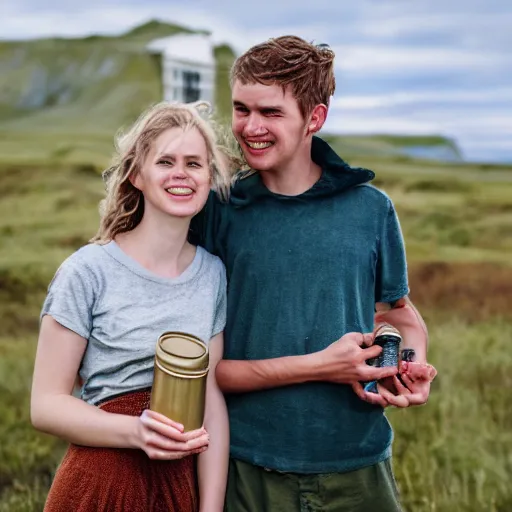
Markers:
{"x": 290, "y": 61}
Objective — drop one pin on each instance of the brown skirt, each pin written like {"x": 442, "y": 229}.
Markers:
{"x": 122, "y": 480}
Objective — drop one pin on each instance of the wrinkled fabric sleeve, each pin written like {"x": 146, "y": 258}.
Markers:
{"x": 70, "y": 298}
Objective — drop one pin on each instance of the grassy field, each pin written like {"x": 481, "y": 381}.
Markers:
{"x": 452, "y": 455}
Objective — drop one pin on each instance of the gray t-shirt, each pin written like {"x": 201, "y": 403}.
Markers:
{"x": 121, "y": 309}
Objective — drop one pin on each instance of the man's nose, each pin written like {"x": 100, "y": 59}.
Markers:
{"x": 254, "y": 126}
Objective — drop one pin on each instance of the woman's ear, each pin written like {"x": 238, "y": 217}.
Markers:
{"x": 136, "y": 179}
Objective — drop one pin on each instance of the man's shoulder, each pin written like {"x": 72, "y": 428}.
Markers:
{"x": 375, "y": 196}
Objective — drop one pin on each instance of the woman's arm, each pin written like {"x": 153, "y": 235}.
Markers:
{"x": 55, "y": 411}
{"x": 213, "y": 464}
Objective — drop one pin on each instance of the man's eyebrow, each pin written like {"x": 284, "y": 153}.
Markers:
{"x": 261, "y": 108}
{"x": 271, "y": 108}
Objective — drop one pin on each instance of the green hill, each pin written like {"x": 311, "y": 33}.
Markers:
{"x": 61, "y": 100}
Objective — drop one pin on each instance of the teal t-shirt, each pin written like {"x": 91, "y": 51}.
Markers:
{"x": 302, "y": 271}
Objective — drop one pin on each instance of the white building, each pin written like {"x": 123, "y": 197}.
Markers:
{"x": 188, "y": 67}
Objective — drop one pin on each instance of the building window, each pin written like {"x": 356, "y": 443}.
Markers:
{"x": 191, "y": 86}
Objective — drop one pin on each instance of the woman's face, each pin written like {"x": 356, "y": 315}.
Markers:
{"x": 175, "y": 177}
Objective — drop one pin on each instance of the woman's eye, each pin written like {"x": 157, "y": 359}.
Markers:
{"x": 164, "y": 162}
{"x": 194, "y": 164}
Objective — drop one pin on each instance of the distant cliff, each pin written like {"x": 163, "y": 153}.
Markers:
{"x": 427, "y": 147}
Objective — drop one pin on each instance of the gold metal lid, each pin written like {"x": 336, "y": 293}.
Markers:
{"x": 387, "y": 330}
{"x": 182, "y": 353}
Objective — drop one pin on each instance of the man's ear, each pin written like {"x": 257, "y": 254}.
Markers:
{"x": 317, "y": 119}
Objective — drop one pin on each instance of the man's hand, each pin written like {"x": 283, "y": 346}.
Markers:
{"x": 344, "y": 361}
{"x": 383, "y": 398}
{"x": 413, "y": 389}
{"x": 416, "y": 378}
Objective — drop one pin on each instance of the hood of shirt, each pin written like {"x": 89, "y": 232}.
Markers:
{"x": 337, "y": 176}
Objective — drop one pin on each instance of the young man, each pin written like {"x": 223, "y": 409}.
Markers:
{"x": 311, "y": 251}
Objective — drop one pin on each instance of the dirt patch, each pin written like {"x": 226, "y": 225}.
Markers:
{"x": 475, "y": 291}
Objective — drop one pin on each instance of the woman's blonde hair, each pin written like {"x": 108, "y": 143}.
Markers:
{"x": 123, "y": 207}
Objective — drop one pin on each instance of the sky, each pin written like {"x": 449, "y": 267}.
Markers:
{"x": 402, "y": 66}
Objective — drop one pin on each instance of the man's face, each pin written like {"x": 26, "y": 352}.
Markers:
{"x": 268, "y": 125}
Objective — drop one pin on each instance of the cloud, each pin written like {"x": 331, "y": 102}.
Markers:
{"x": 399, "y": 98}
{"x": 373, "y": 59}
{"x": 387, "y": 124}
{"x": 465, "y": 26}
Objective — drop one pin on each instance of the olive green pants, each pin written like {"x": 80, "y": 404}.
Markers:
{"x": 256, "y": 489}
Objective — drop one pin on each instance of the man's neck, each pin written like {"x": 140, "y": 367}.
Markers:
{"x": 294, "y": 179}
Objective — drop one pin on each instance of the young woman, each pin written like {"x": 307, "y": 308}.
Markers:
{"x": 106, "y": 307}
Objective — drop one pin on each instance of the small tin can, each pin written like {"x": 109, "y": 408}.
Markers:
{"x": 179, "y": 382}
{"x": 389, "y": 339}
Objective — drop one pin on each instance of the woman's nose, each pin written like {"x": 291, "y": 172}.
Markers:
{"x": 179, "y": 173}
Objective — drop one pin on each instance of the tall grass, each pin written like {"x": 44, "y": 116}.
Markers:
{"x": 455, "y": 453}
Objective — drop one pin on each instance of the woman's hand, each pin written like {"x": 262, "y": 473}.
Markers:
{"x": 162, "y": 438}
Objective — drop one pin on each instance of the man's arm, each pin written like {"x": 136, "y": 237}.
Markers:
{"x": 343, "y": 362}
{"x": 414, "y": 386}
{"x": 403, "y": 315}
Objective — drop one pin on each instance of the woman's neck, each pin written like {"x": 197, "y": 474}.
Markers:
{"x": 160, "y": 247}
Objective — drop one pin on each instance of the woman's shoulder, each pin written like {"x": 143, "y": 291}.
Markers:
{"x": 85, "y": 263}
{"x": 87, "y": 256}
